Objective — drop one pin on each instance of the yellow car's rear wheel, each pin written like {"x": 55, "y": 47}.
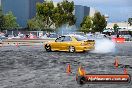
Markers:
{"x": 72, "y": 49}
{"x": 47, "y": 47}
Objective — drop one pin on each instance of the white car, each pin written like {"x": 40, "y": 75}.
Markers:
{"x": 2, "y": 38}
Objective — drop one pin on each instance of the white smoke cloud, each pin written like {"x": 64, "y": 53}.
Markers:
{"x": 104, "y": 46}
{"x": 66, "y": 29}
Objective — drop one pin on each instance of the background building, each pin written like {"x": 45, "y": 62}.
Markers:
{"x": 82, "y": 11}
{"x": 0, "y": 2}
{"x": 22, "y": 9}
{"x": 122, "y": 25}
{"x": 123, "y": 29}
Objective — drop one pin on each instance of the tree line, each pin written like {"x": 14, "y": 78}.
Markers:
{"x": 97, "y": 23}
{"x": 48, "y": 17}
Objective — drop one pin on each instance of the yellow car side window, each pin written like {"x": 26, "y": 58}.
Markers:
{"x": 67, "y": 38}
{"x": 60, "y": 39}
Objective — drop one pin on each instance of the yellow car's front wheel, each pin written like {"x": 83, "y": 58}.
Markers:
{"x": 47, "y": 47}
{"x": 72, "y": 49}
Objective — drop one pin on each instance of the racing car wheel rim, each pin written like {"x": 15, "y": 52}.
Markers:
{"x": 48, "y": 47}
{"x": 71, "y": 49}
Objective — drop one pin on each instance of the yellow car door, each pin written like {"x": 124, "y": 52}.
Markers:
{"x": 57, "y": 44}
{"x": 65, "y": 43}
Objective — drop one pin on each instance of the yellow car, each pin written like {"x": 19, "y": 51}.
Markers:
{"x": 70, "y": 43}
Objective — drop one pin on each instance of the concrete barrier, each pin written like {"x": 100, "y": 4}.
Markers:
{"x": 27, "y": 40}
{"x": 24, "y": 42}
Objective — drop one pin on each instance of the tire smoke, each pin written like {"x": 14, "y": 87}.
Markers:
{"x": 104, "y": 46}
{"x": 66, "y": 29}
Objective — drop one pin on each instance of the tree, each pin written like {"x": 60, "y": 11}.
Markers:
{"x": 1, "y": 20}
{"x": 10, "y": 21}
{"x": 86, "y": 24}
{"x": 130, "y": 21}
{"x": 36, "y": 24}
{"x": 99, "y": 22}
{"x": 54, "y": 17}
{"x": 45, "y": 11}
{"x": 65, "y": 11}
{"x": 115, "y": 27}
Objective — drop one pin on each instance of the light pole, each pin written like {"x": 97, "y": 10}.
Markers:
{"x": 127, "y": 24}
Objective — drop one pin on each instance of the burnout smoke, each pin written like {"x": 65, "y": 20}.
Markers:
{"x": 104, "y": 46}
{"x": 66, "y": 29}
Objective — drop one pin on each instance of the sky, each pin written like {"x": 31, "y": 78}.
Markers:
{"x": 117, "y": 10}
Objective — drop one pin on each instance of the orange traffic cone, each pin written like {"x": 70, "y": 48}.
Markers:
{"x": 17, "y": 44}
{"x": 116, "y": 63}
{"x": 68, "y": 69}
{"x": 125, "y": 71}
{"x": 2, "y": 44}
{"x": 81, "y": 71}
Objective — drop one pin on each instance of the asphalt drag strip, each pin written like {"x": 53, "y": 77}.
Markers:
{"x": 33, "y": 67}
